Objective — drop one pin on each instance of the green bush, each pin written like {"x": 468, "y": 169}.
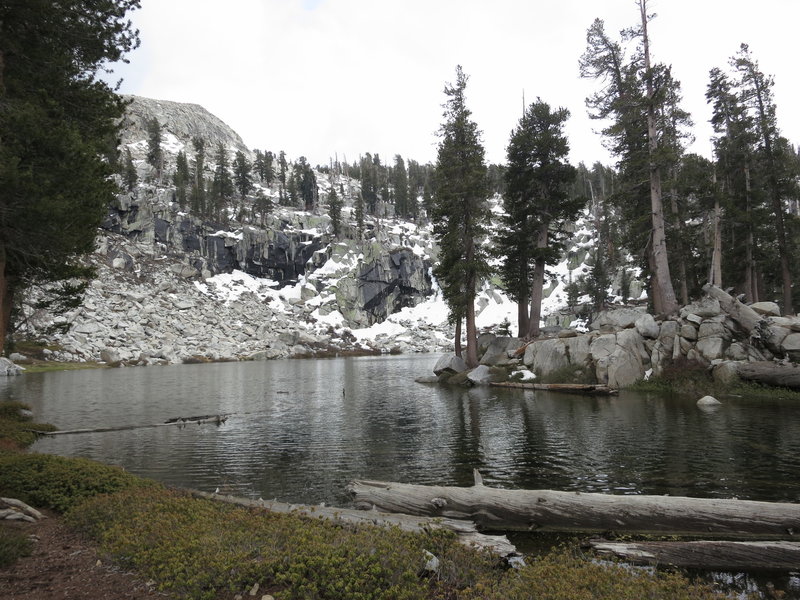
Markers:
{"x": 562, "y": 575}
{"x": 569, "y": 374}
{"x": 15, "y": 429}
{"x": 200, "y": 548}
{"x": 56, "y": 482}
{"x": 13, "y": 545}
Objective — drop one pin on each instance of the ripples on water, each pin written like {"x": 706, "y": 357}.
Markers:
{"x": 300, "y": 430}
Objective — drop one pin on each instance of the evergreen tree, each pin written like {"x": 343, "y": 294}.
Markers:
{"x": 181, "y": 178}
{"x": 222, "y": 184}
{"x": 155, "y": 155}
{"x": 460, "y": 212}
{"x": 402, "y": 204}
{"x": 198, "y": 194}
{"x": 130, "y": 176}
{"x": 263, "y": 206}
{"x": 335, "y": 204}
{"x": 55, "y": 122}
{"x": 269, "y": 168}
{"x": 358, "y": 210}
{"x": 537, "y": 205}
{"x": 243, "y": 180}
{"x": 282, "y": 167}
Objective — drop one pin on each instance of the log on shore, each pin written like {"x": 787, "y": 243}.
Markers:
{"x": 709, "y": 555}
{"x": 770, "y": 373}
{"x": 466, "y": 531}
{"x": 575, "y": 388}
{"x": 179, "y": 422}
{"x": 495, "y": 509}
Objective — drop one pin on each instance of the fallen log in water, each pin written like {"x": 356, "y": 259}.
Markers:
{"x": 466, "y": 531}
{"x": 710, "y": 555}
{"x": 180, "y": 422}
{"x": 576, "y": 388}
{"x": 495, "y": 509}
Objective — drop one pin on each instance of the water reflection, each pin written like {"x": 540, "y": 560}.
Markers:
{"x": 300, "y": 430}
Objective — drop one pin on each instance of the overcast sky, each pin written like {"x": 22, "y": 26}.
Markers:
{"x": 320, "y": 77}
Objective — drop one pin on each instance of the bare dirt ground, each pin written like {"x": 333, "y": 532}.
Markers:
{"x": 63, "y": 564}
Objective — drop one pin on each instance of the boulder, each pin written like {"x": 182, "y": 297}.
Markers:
{"x": 711, "y": 348}
{"x": 550, "y": 356}
{"x": 578, "y": 349}
{"x": 600, "y": 350}
{"x": 736, "y": 351}
{"x": 708, "y": 401}
{"x": 614, "y": 320}
{"x": 647, "y": 327}
{"x": 496, "y": 351}
{"x": 450, "y": 363}
{"x": 725, "y": 373}
{"x": 688, "y": 332}
{"x": 8, "y": 368}
{"x": 625, "y": 365}
{"x": 480, "y": 375}
{"x": 791, "y": 346}
{"x": 769, "y": 309}
{"x": 712, "y": 329}
{"x": 704, "y": 308}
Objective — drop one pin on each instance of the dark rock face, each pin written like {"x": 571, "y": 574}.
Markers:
{"x": 394, "y": 281}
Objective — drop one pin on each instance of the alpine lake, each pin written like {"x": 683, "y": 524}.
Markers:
{"x": 300, "y": 430}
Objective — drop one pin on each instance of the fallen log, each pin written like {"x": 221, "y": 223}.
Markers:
{"x": 466, "y": 531}
{"x": 709, "y": 555}
{"x": 576, "y": 388}
{"x": 770, "y": 373}
{"x": 495, "y": 509}
{"x": 180, "y": 422}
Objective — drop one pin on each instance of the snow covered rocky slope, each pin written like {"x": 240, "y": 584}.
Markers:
{"x": 173, "y": 287}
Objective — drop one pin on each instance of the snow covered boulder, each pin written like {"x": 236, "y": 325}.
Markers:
{"x": 450, "y": 363}
{"x": 708, "y": 401}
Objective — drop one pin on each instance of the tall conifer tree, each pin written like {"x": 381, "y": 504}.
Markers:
{"x": 460, "y": 211}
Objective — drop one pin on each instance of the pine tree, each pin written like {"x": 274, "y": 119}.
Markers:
{"x": 181, "y": 178}
{"x": 221, "y": 185}
{"x": 263, "y": 205}
{"x": 335, "y": 212}
{"x": 198, "y": 193}
{"x": 358, "y": 210}
{"x": 538, "y": 205}
{"x": 402, "y": 204}
{"x": 56, "y": 120}
{"x": 130, "y": 176}
{"x": 243, "y": 179}
{"x": 460, "y": 211}
{"x": 155, "y": 155}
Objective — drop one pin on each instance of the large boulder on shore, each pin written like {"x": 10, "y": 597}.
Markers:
{"x": 613, "y": 320}
{"x": 450, "y": 363}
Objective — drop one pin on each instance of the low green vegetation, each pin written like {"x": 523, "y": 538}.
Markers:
{"x": 16, "y": 426}
{"x": 691, "y": 379}
{"x": 14, "y": 544}
{"x": 569, "y": 374}
{"x": 200, "y": 549}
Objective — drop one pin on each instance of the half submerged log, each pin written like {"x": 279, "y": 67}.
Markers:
{"x": 709, "y": 555}
{"x": 770, "y": 373}
{"x": 179, "y": 422}
{"x": 495, "y": 509}
{"x": 466, "y": 531}
{"x": 575, "y": 388}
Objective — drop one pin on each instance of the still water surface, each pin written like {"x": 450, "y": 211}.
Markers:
{"x": 299, "y": 430}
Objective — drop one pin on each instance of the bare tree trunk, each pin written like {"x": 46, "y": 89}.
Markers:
{"x": 523, "y": 320}
{"x": 750, "y": 279}
{"x": 661, "y": 273}
{"x": 457, "y": 341}
{"x": 472, "y": 336}
{"x": 537, "y": 286}
{"x": 655, "y": 290}
{"x": 6, "y": 299}
{"x": 715, "y": 277}
{"x": 681, "y": 253}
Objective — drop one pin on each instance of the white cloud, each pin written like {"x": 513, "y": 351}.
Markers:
{"x": 319, "y": 77}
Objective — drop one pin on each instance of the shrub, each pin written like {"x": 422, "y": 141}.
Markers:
{"x": 14, "y": 544}
{"x": 15, "y": 426}
{"x": 569, "y": 374}
{"x": 56, "y": 482}
{"x": 199, "y": 548}
{"x": 562, "y": 575}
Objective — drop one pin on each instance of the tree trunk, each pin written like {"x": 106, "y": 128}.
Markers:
{"x": 770, "y": 373}
{"x": 457, "y": 341}
{"x": 707, "y": 555}
{"x": 682, "y": 276}
{"x": 661, "y": 273}
{"x": 6, "y": 299}
{"x": 750, "y": 279}
{"x": 715, "y": 277}
{"x": 537, "y": 286}
{"x": 655, "y": 291}
{"x": 472, "y": 335}
{"x": 547, "y": 510}
{"x": 467, "y": 532}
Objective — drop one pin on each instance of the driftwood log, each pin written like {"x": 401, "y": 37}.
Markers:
{"x": 709, "y": 555}
{"x": 466, "y": 531}
{"x": 575, "y": 388}
{"x": 495, "y": 509}
{"x": 770, "y": 373}
{"x": 179, "y": 422}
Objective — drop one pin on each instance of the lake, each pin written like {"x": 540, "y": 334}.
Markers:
{"x": 300, "y": 430}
